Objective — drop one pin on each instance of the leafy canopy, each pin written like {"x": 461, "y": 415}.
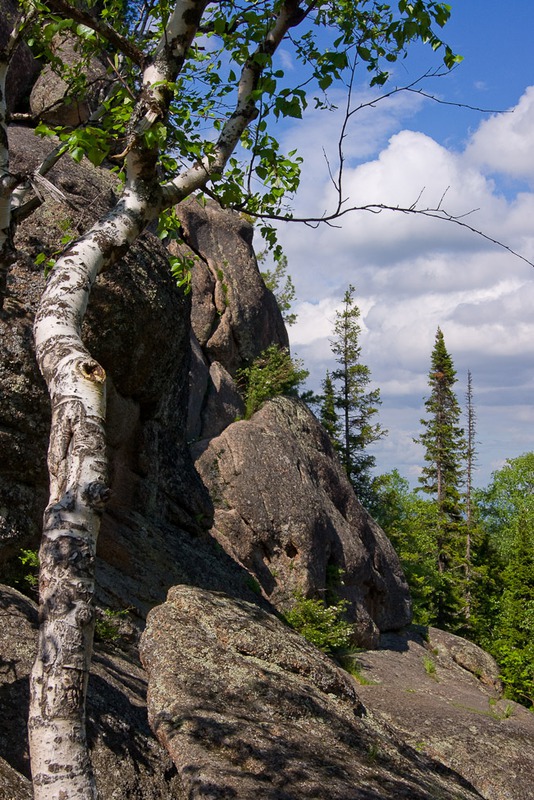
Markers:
{"x": 324, "y": 43}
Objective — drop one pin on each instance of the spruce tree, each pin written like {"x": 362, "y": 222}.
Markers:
{"x": 470, "y": 463}
{"x": 358, "y": 405}
{"x": 327, "y": 412}
{"x": 442, "y": 479}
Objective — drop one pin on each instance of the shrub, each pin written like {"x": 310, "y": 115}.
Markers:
{"x": 320, "y": 624}
{"x": 22, "y": 572}
{"x": 107, "y": 625}
{"x": 271, "y": 374}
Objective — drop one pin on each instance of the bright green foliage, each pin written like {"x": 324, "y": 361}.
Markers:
{"x": 30, "y": 560}
{"x": 322, "y": 625}
{"x": 23, "y": 571}
{"x": 273, "y": 373}
{"x": 411, "y": 523}
{"x": 357, "y": 404}
{"x": 501, "y": 584}
{"x": 328, "y": 41}
{"x": 507, "y": 513}
{"x": 507, "y": 505}
{"x": 390, "y": 495}
{"x": 513, "y": 645}
{"x": 107, "y": 625}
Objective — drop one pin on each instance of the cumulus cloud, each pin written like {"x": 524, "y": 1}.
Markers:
{"x": 504, "y": 143}
{"x": 413, "y": 274}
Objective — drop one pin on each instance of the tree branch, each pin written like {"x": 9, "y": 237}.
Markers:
{"x": 378, "y": 208}
{"x": 121, "y": 43}
{"x": 198, "y": 175}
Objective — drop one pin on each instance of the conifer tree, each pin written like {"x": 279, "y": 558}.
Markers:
{"x": 470, "y": 463}
{"x": 327, "y": 413}
{"x": 357, "y": 404}
{"x": 442, "y": 479}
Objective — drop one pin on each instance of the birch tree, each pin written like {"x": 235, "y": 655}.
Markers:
{"x": 191, "y": 87}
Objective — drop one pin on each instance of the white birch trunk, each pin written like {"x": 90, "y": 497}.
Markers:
{"x": 60, "y": 762}
{"x": 78, "y": 492}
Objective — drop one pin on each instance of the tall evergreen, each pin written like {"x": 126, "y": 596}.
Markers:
{"x": 442, "y": 479}
{"x": 470, "y": 464}
{"x": 358, "y": 405}
{"x": 328, "y": 414}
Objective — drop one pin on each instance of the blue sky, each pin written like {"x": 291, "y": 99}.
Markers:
{"x": 414, "y": 274}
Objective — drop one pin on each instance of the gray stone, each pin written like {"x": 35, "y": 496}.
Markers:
{"x": 23, "y": 67}
{"x": 247, "y": 708}
{"x": 198, "y": 386}
{"x": 13, "y": 785}
{"x": 441, "y": 694}
{"x": 234, "y": 316}
{"x": 137, "y": 325}
{"x": 285, "y": 509}
{"x": 51, "y": 98}
{"x": 223, "y": 402}
{"x": 128, "y": 762}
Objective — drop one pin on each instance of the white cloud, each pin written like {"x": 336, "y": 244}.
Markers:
{"x": 505, "y": 142}
{"x": 413, "y": 274}
{"x": 287, "y": 59}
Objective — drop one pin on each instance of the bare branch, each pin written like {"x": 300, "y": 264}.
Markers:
{"x": 377, "y": 208}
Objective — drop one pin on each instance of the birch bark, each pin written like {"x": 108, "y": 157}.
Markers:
{"x": 78, "y": 492}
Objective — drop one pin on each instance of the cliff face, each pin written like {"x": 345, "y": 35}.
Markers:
{"x": 243, "y": 704}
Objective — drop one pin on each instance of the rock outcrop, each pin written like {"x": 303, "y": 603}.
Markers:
{"x": 54, "y": 101}
{"x": 128, "y": 762}
{"x": 155, "y": 530}
{"x": 285, "y": 510}
{"x": 442, "y": 695}
{"x": 248, "y": 708}
{"x": 234, "y": 317}
{"x": 24, "y": 68}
